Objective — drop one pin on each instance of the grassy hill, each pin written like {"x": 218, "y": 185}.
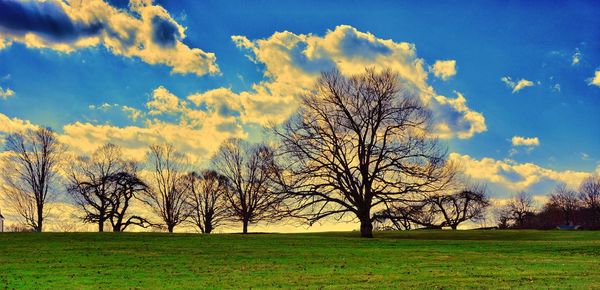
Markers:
{"x": 424, "y": 259}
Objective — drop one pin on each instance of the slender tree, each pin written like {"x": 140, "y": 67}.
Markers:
{"x": 250, "y": 171}
{"x": 166, "y": 194}
{"x": 206, "y": 198}
{"x": 31, "y": 164}
{"x": 357, "y": 145}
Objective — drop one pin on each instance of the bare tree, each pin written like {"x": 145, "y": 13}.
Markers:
{"x": 166, "y": 194}
{"x": 127, "y": 187}
{"x": 454, "y": 209}
{"x": 589, "y": 194}
{"x": 519, "y": 207}
{"x": 89, "y": 182}
{"x": 564, "y": 200}
{"x": 206, "y": 197}
{"x": 32, "y": 161}
{"x": 250, "y": 171}
{"x": 357, "y": 145}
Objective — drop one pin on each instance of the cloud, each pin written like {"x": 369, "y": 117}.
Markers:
{"x": 516, "y": 86}
{"x": 145, "y": 31}
{"x": 132, "y": 113}
{"x": 195, "y": 129}
{"x": 507, "y": 176}
{"x": 11, "y": 125}
{"x": 596, "y": 79}
{"x": 5, "y": 94}
{"x": 525, "y": 141}
{"x": 443, "y": 69}
{"x": 459, "y": 120}
{"x": 163, "y": 101}
{"x": 293, "y": 62}
{"x": 576, "y": 57}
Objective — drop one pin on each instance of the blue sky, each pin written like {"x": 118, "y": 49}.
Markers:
{"x": 191, "y": 83}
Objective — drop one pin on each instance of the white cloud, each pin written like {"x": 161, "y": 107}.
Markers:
{"x": 517, "y": 86}
{"x": 293, "y": 62}
{"x": 596, "y": 79}
{"x": 508, "y": 176}
{"x": 443, "y": 69}
{"x": 6, "y": 93}
{"x": 145, "y": 31}
{"x": 163, "y": 101}
{"x": 525, "y": 141}
{"x": 132, "y": 113}
{"x": 194, "y": 129}
{"x": 576, "y": 57}
{"x": 11, "y": 125}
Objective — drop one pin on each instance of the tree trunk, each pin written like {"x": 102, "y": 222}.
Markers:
{"x": 245, "y": 226}
{"x": 170, "y": 228}
{"x": 101, "y": 226}
{"x": 40, "y": 219}
{"x": 366, "y": 228}
{"x": 454, "y": 227}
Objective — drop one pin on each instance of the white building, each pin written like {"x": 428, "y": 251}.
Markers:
{"x": 1, "y": 223}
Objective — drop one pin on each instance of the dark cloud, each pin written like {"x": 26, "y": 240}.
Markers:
{"x": 47, "y": 19}
{"x": 314, "y": 65}
{"x": 164, "y": 32}
{"x": 510, "y": 175}
{"x": 354, "y": 45}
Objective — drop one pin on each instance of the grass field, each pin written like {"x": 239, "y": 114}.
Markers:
{"x": 423, "y": 259}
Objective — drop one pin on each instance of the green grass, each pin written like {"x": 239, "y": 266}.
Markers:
{"x": 423, "y": 259}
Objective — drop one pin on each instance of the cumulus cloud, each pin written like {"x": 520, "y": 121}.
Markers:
{"x": 293, "y": 62}
{"x": 525, "y": 141}
{"x": 6, "y": 93}
{"x": 507, "y": 176}
{"x": 516, "y": 86}
{"x": 197, "y": 127}
{"x": 132, "y": 113}
{"x": 145, "y": 31}
{"x": 10, "y": 125}
{"x": 455, "y": 118}
{"x": 595, "y": 81}
{"x": 443, "y": 69}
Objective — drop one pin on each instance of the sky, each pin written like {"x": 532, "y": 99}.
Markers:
{"x": 514, "y": 86}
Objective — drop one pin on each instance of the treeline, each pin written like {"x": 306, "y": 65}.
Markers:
{"x": 359, "y": 148}
{"x": 565, "y": 207}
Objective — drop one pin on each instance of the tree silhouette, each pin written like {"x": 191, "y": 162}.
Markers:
{"x": 206, "y": 198}
{"x": 89, "y": 183}
{"x": 250, "y": 171}
{"x": 166, "y": 193}
{"x": 358, "y": 144}
{"x": 31, "y": 167}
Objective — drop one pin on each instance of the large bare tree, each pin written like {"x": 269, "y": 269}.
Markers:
{"x": 31, "y": 164}
{"x": 90, "y": 182}
{"x": 206, "y": 197}
{"x": 166, "y": 194}
{"x": 250, "y": 171}
{"x": 357, "y": 144}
